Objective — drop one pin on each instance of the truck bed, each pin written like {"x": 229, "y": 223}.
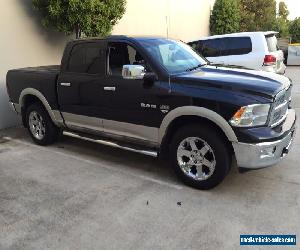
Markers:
{"x": 42, "y": 79}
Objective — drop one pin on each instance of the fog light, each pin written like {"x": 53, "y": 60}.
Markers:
{"x": 268, "y": 152}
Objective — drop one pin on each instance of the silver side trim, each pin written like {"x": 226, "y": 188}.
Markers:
{"x": 55, "y": 115}
{"x": 196, "y": 111}
{"x": 80, "y": 122}
{"x": 131, "y": 130}
{"x": 113, "y": 144}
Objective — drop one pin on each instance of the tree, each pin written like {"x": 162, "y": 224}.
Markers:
{"x": 295, "y": 30}
{"x": 258, "y": 15}
{"x": 283, "y": 11}
{"x": 282, "y": 22}
{"x": 225, "y": 17}
{"x": 282, "y": 26}
{"x": 88, "y": 17}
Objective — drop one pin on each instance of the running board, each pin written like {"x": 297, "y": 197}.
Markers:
{"x": 114, "y": 144}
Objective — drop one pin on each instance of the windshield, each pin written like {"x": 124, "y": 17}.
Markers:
{"x": 175, "y": 56}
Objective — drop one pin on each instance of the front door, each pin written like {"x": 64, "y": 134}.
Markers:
{"x": 134, "y": 108}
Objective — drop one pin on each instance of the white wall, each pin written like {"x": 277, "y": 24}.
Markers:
{"x": 24, "y": 42}
{"x": 187, "y": 19}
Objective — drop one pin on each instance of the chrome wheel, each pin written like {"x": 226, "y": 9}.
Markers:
{"x": 196, "y": 158}
{"x": 37, "y": 125}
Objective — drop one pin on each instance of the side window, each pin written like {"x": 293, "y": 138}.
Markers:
{"x": 120, "y": 54}
{"x": 236, "y": 46}
{"x": 197, "y": 46}
{"x": 212, "y": 47}
{"x": 86, "y": 58}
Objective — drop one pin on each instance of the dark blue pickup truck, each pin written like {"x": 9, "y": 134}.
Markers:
{"x": 158, "y": 97}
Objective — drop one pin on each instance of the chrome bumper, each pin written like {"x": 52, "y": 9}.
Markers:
{"x": 260, "y": 155}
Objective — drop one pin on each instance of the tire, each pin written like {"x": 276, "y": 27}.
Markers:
{"x": 40, "y": 126}
{"x": 200, "y": 156}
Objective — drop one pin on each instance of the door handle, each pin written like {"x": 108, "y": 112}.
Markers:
{"x": 65, "y": 84}
{"x": 110, "y": 88}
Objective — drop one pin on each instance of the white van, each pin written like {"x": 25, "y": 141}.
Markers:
{"x": 252, "y": 50}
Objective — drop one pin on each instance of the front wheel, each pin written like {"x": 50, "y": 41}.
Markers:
{"x": 200, "y": 156}
{"x": 40, "y": 126}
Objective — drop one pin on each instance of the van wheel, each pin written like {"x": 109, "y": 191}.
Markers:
{"x": 40, "y": 126}
{"x": 200, "y": 156}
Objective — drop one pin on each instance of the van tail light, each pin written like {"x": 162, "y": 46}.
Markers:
{"x": 270, "y": 60}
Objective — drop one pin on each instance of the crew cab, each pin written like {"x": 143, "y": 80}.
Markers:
{"x": 158, "y": 97}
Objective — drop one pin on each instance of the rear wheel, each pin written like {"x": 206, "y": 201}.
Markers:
{"x": 200, "y": 156}
{"x": 40, "y": 126}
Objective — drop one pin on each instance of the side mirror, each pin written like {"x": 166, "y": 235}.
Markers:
{"x": 133, "y": 72}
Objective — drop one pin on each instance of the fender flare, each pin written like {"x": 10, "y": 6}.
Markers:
{"x": 200, "y": 112}
{"x": 54, "y": 115}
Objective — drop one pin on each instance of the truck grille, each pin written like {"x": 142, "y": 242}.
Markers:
{"x": 280, "y": 107}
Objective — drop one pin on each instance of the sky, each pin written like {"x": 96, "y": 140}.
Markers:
{"x": 293, "y": 6}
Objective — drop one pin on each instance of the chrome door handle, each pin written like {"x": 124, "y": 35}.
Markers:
{"x": 65, "y": 84}
{"x": 110, "y": 88}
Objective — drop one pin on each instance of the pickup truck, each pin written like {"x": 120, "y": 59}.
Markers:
{"x": 159, "y": 97}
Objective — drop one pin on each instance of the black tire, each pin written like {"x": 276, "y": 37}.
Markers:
{"x": 51, "y": 132}
{"x": 219, "y": 154}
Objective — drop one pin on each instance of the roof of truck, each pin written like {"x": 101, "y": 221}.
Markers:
{"x": 140, "y": 37}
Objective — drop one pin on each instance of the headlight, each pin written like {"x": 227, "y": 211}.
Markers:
{"x": 250, "y": 116}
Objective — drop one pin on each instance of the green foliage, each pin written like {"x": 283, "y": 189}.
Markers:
{"x": 258, "y": 15}
{"x": 282, "y": 26}
{"x": 295, "y": 30}
{"x": 283, "y": 11}
{"x": 90, "y": 17}
{"x": 225, "y": 17}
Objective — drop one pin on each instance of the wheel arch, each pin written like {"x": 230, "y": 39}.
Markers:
{"x": 29, "y": 96}
{"x": 191, "y": 114}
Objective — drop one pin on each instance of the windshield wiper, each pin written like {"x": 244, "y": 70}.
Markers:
{"x": 196, "y": 67}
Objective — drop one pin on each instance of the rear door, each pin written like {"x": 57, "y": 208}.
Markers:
{"x": 80, "y": 86}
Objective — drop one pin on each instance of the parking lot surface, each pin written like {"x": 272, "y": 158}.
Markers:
{"x": 81, "y": 195}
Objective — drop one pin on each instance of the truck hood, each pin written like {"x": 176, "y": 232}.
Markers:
{"x": 255, "y": 82}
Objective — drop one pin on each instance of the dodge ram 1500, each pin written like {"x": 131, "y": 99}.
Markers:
{"x": 159, "y": 97}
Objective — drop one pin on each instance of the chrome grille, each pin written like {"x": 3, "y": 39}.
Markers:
{"x": 280, "y": 107}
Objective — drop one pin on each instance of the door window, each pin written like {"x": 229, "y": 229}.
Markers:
{"x": 120, "y": 54}
{"x": 86, "y": 58}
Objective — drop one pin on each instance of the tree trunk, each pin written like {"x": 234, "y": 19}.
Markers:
{"x": 78, "y": 31}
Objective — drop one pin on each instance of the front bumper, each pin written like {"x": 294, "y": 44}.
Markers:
{"x": 264, "y": 154}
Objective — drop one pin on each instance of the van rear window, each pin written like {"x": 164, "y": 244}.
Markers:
{"x": 272, "y": 43}
{"x": 226, "y": 46}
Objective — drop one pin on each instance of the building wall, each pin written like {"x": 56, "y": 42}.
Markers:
{"x": 24, "y": 42}
{"x": 186, "y": 19}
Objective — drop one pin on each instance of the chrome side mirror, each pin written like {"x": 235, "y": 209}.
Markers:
{"x": 133, "y": 72}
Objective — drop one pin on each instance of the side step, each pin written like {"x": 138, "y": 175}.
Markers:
{"x": 115, "y": 144}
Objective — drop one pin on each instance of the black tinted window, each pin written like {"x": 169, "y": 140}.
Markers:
{"x": 86, "y": 58}
{"x": 223, "y": 46}
{"x": 236, "y": 46}
{"x": 212, "y": 48}
{"x": 121, "y": 54}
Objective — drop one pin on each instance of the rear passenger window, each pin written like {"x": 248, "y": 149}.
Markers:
{"x": 86, "y": 58}
{"x": 236, "y": 46}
